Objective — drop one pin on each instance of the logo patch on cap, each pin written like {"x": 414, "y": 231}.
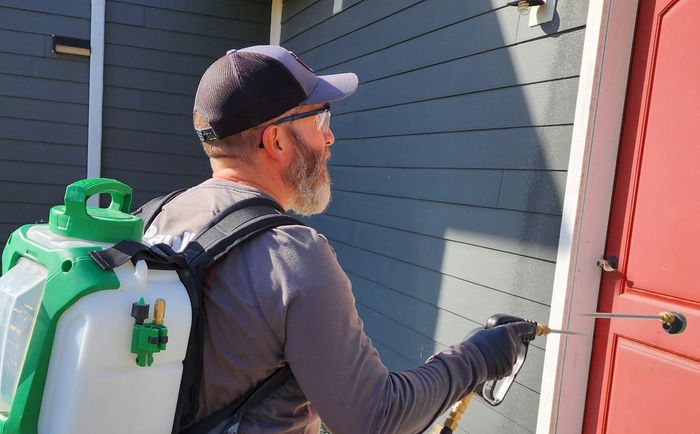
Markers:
{"x": 302, "y": 62}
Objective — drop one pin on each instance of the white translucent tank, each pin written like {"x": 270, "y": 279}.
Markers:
{"x": 21, "y": 291}
{"x": 94, "y": 384}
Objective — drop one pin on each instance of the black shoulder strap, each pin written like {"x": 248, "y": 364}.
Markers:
{"x": 159, "y": 256}
{"x": 152, "y": 208}
{"x": 234, "y": 226}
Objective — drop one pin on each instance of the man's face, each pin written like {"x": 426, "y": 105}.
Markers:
{"x": 308, "y": 174}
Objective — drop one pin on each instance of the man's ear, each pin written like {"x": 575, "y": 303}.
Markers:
{"x": 277, "y": 143}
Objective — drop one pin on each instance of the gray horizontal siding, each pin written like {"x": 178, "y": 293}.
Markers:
{"x": 306, "y": 20}
{"x": 30, "y": 21}
{"x": 172, "y": 124}
{"x": 514, "y": 274}
{"x": 26, "y": 65}
{"x": 475, "y": 33}
{"x": 41, "y": 173}
{"x": 519, "y": 190}
{"x": 499, "y": 68}
{"x": 156, "y": 51}
{"x": 449, "y": 293}
{"x": 28, "y": 150}
{"x": 534, "y": 148}
{"x": 43, "y": 108}
{"x": 448, "y": 169}
{"x": 148, "y": 101}
{"x": 32, "y": 130}
{"x": 539, "y": 104}
{"x": 171, "y": 40}
{"x": 180, "y": 21}
{"x": 74, "y": 8}
{"x": 155, "y": 60}
{"x": 291, "y": 8}
{"x": 381, "y": 28}
{"x": 156, "y": 142}
{"x": 528, "y": 234}
{"x": 150, "y": 81}
{"x": 247, "y": 11}
{"x": 185, "y": 165}
{"x": 41, "y": 89}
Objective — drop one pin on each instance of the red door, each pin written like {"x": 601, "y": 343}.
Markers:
{"x": 643, "y": 380}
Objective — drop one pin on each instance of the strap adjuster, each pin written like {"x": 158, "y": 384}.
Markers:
{"x": 207, "y": 134}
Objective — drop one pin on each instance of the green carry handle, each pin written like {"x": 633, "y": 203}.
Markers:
{"x": 79, "y": 192}
{"x": 112, "y": 224}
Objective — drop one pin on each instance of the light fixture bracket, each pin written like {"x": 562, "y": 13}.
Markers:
{"x": 540, "y": 11}
{"x": 69, "y": 45}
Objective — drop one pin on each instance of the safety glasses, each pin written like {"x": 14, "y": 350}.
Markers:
{"x": 323, "y": 118}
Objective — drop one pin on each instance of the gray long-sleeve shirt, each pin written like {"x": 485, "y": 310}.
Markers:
{"x": 283, "y": 297}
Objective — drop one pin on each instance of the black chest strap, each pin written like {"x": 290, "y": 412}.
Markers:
{"x": 233, "y": 413}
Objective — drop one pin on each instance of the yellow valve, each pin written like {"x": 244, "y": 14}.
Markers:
{"x": 159, "y": 312}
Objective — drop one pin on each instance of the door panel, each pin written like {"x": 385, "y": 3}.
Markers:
{"x": 650, "y": 378}
{"x": 640, "y": 376}
{"x": 666, "y": 211}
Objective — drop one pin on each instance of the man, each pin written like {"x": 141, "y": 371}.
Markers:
{"x": 264, "y": 121}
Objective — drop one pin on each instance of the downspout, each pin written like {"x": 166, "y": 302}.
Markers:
{"x": 97, "y": 48}
{"x": 276, "y": 22}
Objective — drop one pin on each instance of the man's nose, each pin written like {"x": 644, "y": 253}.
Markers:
{"x": 330, "y": 138}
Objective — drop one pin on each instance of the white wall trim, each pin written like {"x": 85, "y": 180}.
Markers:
{"x": 595, "y": 139}
{"x": 97, "y": 48}
{"x": 276, "y": 22}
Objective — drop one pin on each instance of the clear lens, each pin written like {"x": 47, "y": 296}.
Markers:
{"x": 323, "y": 121}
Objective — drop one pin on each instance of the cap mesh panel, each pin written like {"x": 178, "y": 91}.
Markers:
{"x": 242, "y": 90}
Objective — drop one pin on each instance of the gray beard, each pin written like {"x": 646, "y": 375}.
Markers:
{"x": 309, "y": 178}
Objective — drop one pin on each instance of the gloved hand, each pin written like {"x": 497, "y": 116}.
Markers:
{"x": 499, "y": 345}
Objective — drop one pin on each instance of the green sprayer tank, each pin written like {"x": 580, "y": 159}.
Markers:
{"x": 73, "y": 360}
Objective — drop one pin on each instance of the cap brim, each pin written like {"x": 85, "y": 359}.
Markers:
{"x": 331, "y": 88}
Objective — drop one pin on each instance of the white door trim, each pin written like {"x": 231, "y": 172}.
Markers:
{"x": 591, "y": 172}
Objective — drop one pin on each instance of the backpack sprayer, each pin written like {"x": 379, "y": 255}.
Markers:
{"x": 494, "y": 391}
{"x": 72, "y": 358}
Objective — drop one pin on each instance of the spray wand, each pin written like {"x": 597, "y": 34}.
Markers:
{"x": 494, "y": 391}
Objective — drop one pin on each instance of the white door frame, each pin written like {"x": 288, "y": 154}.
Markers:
{"x": 591, "y": 173}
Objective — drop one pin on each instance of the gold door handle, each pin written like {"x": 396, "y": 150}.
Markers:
{"x": 608, "y": 265}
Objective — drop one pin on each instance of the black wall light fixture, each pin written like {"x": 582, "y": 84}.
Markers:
{"x": 67, "y": 45}
{"x": 525, "y": 5}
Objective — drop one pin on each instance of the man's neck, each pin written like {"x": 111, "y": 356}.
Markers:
{"x": 255, "y": 177}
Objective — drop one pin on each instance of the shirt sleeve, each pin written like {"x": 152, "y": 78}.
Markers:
{"x": 339, "y": 370}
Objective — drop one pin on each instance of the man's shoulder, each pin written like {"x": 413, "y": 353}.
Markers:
{"x": 297, "y": 258}
{"x": 301, "y": 239}
{"x": 196, "y": 208}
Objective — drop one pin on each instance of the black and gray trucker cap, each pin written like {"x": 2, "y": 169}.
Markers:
{"x": 247, "y": 87}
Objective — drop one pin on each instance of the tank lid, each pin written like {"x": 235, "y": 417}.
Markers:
{"x": 113, "y": 224}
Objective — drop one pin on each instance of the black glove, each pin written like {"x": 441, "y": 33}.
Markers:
{"x": 499, "y": 345}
